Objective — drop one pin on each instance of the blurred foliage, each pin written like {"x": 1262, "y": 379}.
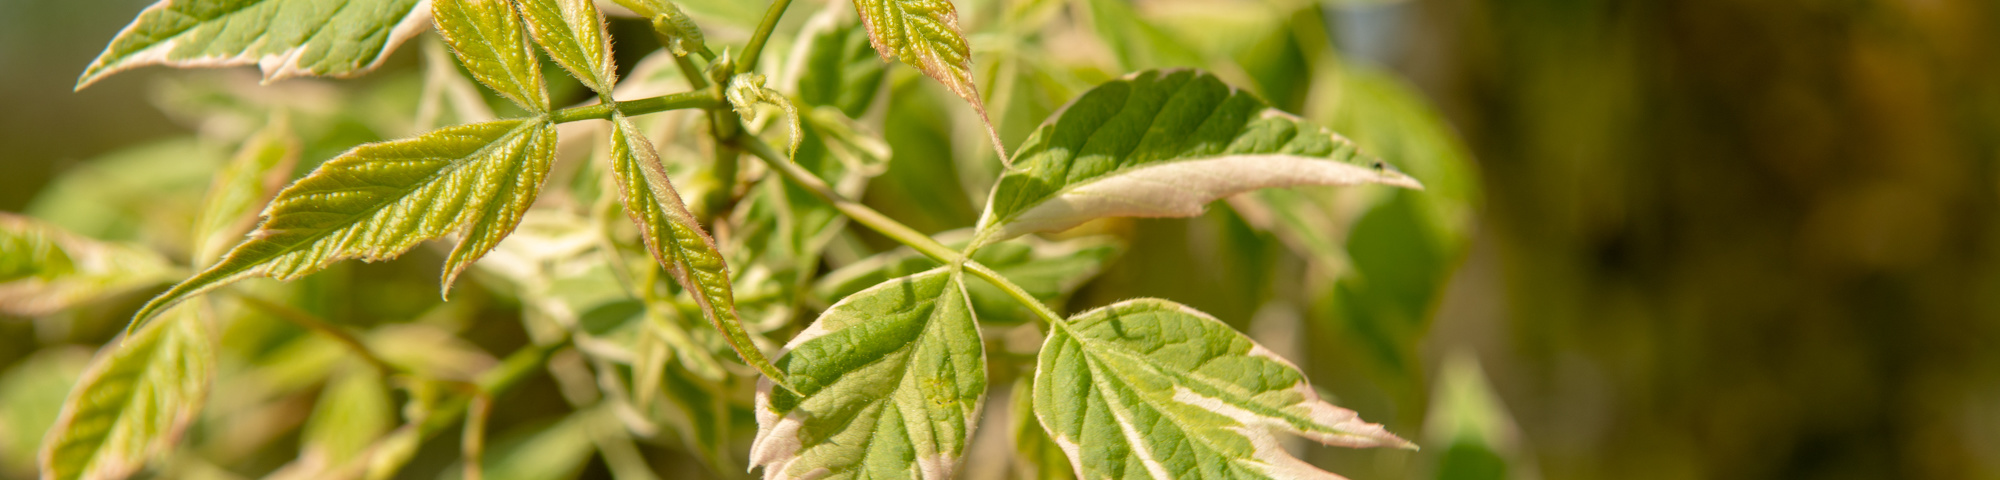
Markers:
{"x": 1704, "y": 239}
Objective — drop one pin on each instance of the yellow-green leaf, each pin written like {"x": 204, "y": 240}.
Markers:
{"x": 677, "y": 240}
{"x": 44, "y": 269}
{"x": 487, "y": 36}
{"x": 925, "y": 34}
{"x": 134, "y": 400}
{"x": 572, "y": 33}
{"x": 259, "y": 169}
{"x": 379, "y": 200}
{"x": 286, "y": 38}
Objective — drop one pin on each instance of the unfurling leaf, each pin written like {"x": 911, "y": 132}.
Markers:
{"x": 925, "y": 34}
{"x": 259, "y": 169}
{"x": 747, "y": 90}
{"x": 573, "y": 34}
{"x": 1164, "y": 143}
{"x": 673, "y": 28}
{"x": 487, "y": 38}
{"x": 378, "y": 200}
{"x": 44, "y": 269}
{"x": 1154, "y": 389}
{"x": 286, "y": 38}
{"x": 890, "y": 383}
{"x": 677, "y": 240}
{"x": 134, "y": 400}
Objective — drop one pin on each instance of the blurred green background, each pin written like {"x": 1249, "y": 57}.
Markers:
{"x": 1717, "y": 239}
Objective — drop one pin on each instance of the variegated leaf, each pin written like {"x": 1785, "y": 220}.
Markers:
{"x": 1153, "y": 389}
{"x": 890, "y": 382}
{"x": 1164, "y": 143}
{"x": 286, "y": 38}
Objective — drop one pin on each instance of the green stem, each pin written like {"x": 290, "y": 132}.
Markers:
{"x": 763, "y": 34}
{"x": 891, "y": 228}
{"x": 705, "y": 98}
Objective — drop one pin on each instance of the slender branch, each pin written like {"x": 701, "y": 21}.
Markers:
{"x": 894, "y": 230}
{"x": 473, "y": 446}
{"x": 314, "y": 323}
{"x": 706, "y": 98}
{"x": 756, "y": 46}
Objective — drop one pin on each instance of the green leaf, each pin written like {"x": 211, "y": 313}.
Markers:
{"x": 1153, "y": 389}
{"x": 259, "y": 169}
{"x": 1467, "y": 416}
{"x": 1050, "y": 271}
{"x": 677, "y": 240}
{"x": 134, "y": 400}
{"x": 488, "y": 40}
{"x": 925, "y": 34}
{"x": 1164, "y": 143}
{"x": 1034, "y": 450}
{"x": 379, "y": 200}
{"x": 286, "y": 38}
{"x": 540, "y": 450}
{"x": 890, "y": 383}
{"x": 573, "y": 34}
{"x": 747, "y": 90}
{"x": 31, "y": 396}
{"x": 839, "y": 70}
{"x": 44, "y": 269}
{"x": 353, "y": 412}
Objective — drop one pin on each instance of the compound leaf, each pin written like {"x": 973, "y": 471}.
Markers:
{"x": 890, "y": 382}
{"x": 1050, "y": 271}
{"x": 1164, "y": 143}
{"x": 379, "y": 200}
{"x": 925, "y": 34}
{"x": 286, "y": 38}
{"x": 134, "y": 400}
{"x": 677, "y": 240}
{"x": 572, "y": 33}
{"x": 488, "y": 40}
{"x": 44, "y": 269}
{"x": 1153, "y": 389}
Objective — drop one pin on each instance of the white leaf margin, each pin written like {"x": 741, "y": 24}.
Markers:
{"x": 275, "y": 66}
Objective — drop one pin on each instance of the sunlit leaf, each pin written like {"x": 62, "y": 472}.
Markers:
{"x": 379, "y": 200}
{"x": 677, "y": 240}
{"x": 135, "y": 399}
{"x": 286, "y": 38}
{"x": 890, "y": 383}
{"x": 44, "y": 269}
{"x": 1153, "y": 389}
{"x": 1164, "y": 144}
{"x": 488, "y": 39}
{"x": 746, "y": 91}
{"x": 573, "y": 34}
{"x": 259, "y": 169}
{"x": 1048, "y": 270}
{"x": 925, "y": 34}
